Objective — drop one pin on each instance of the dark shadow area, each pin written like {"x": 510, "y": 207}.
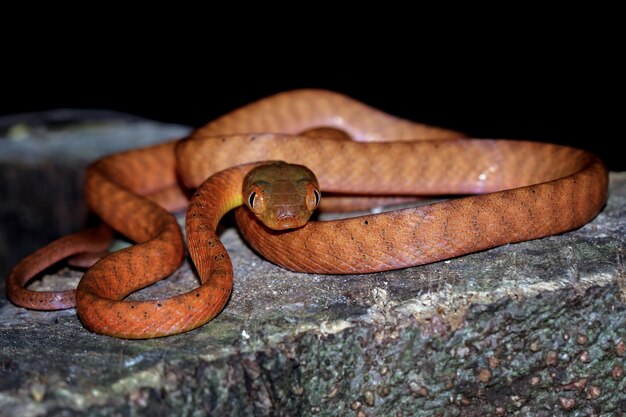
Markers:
{"x": 542, "y": 97}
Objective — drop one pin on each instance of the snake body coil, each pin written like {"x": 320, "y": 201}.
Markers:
{"x": 525, "y": 191}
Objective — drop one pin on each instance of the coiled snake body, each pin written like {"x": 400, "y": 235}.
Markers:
{"x": 524, "y": 190}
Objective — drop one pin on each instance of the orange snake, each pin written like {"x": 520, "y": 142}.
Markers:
{"x": 525, "y": 191}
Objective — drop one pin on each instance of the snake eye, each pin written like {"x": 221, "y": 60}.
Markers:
{"x": 256, "y": 202}
{"x": 313, "y": 197}
{"x": 251, "y": 199}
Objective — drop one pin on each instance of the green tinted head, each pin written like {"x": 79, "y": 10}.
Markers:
{"x": 282, "y": 195}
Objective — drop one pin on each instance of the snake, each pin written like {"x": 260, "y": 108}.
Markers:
{"x": 495, "y": 191}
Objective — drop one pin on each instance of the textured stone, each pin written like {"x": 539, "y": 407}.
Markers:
{"x": 42, "y": 161}
{"x": 500, "y": 332}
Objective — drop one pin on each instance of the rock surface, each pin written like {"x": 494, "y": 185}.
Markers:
{"x": 42, "y": 161}
{"x": 536, "y": 328}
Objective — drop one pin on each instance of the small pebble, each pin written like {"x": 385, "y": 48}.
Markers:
{"x": 567, "y": 403}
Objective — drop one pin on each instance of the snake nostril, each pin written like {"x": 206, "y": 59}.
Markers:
{"x": 285, "y": 216}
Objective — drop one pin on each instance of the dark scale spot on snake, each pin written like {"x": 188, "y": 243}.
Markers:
{"x": 366, "y": 222}
{"x": 197, "y": 294}
{"x": 132, "y": 306}
{"x": 159, "y": 305}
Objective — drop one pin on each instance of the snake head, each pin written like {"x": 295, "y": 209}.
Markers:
{"x": 281, "y": 195}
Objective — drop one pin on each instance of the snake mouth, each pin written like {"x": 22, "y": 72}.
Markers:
{"x": 288, "y": 222}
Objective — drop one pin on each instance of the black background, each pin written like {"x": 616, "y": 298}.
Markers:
{"x": 554, "y": 90}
